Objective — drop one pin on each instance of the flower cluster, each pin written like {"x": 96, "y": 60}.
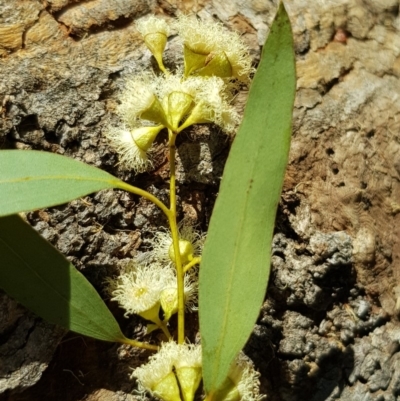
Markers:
{"x": 181, "y": 363}
{"x": 201, "y": 93}
{"x": 172, "y": 364}
{"x": 143, "y": 288}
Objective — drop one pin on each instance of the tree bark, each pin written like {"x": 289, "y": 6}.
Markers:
{"x": 329, "y": 327}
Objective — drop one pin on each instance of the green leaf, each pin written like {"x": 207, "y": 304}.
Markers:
{"x": 40, "y": 278}
{"x": 235, "y": 264}
{"x": 32, "y": 180}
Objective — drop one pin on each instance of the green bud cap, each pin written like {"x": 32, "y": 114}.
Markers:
{"x": 152, "y": 313}
{"x": 169, "y": 302}
{"x": 151, "y": 327}
{"x": 200, "y": 114}
{"x": 144, "y": 136}
{"x": 179, "y": 103}
{"x": 185, "y": 249}
{"x": 217, "y": 64}
{"x": 167, "y": 389}
{"x": 155, "y": 112}
{"x": 156, "y": 43}
{"x": 193, "y": 61}
{"x": 228, "y": 392}
{"x": 189, "y": 380}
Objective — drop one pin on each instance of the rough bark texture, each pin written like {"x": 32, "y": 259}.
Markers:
{"x": 329, "y": 327}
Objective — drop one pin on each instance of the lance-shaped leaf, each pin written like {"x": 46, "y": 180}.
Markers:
{"x": 236, "y": 259}
{"x": 34, "y": 273}
{"x": 32, "y": 180}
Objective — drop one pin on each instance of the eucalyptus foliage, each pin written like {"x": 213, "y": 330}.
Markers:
{"x": 236, "y": 259}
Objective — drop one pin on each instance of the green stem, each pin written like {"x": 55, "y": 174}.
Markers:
{"x": 164, "y": 328}
{"x": 175, "y": 239}
{"x": 161, "y": 65}
{"x": 139, "y": 344}
{"x": 137, "y": 191}
{"x": 193, "y": 262}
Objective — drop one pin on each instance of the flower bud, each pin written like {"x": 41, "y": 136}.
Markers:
{"x": 193, "y": 61}
{"x": 186, "y": 251}
{"x": 151, "y": 327}
{"x": 188, "y": 368}
{"x": 169, "y": 302}
{"x": 167, "y": 389}
{"x": 200, "y": 114}
{"x": 156, "y": 43}
{"x": 211, "y": 46}
{"x": 145, "y": 136}
{"x": 189, "y": 380}
{"x": 151, "y": 313}
{"x": 214, "y": 63}
{"x": 158, "y": 376}
{"x": 155, "y": 33}
{"x": 218, "y": 64}
{"x": 155, "y": 112}
{"x": 179, "y": 103}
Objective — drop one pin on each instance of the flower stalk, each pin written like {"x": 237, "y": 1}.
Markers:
{"x": 175, "y": 238}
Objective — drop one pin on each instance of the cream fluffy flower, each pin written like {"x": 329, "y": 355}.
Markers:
{"x": 191, "y": 244}
{"x": 132, "y": 145}
{"x": 143, "y": 288}
{"x": 242, "y": 383}
{"x": 155, "y": 32}
{"x": 169, "y": 296}
{"x": 213, "y": 105}
{"x": 188, "y": 368}
{"x": 246, "y": 378}
{"x": 158, "y": 378}
{"x": 175, "y": 102}
{"x": 139, "y": 100}
{"x": 151, "y": 24}
{"x": 205, "y": 40}
{"x": 138, "y": 289}
{"x": 207, "y": 100}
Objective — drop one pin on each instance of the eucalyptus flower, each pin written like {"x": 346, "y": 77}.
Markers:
{"x": 132, "y": 145}
{"x": 158, "y": 377}
{"x": 138, "y": 289}
{"x": 211, "y": 49}
{"x": 242, "y": 383}
{"x": 139, "y": 101}
{"x": 213, "y": 105}
{"x": 190, "y": 244}
{"x": 196, "y": 100}
{"x": 188, "y": 368}
{"x": 169, "y": 296}
{"x": 155, "y": 32}
{"x": 143, "y": 288}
